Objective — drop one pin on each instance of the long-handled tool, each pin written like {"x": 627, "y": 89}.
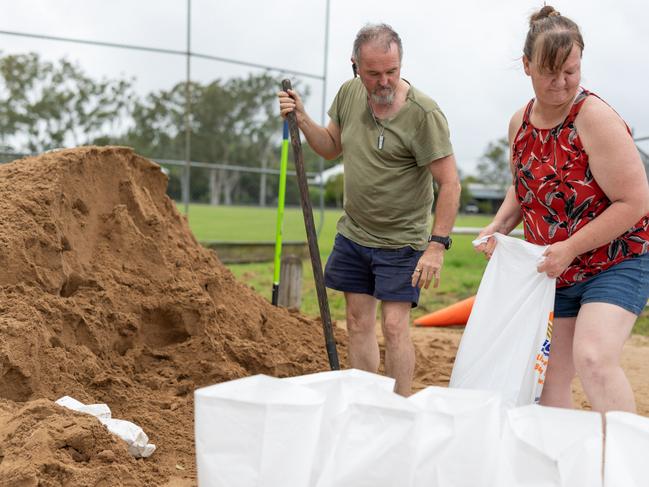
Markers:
{"x": 312, "y": 239}
{"x": 280, "y": 213}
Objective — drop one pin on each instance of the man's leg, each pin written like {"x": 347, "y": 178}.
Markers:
{"x": 600, "y": 333}
{"x": 361, "y": 328}
{"x": 399, "y": 350}
{"x": 557, "y": 389}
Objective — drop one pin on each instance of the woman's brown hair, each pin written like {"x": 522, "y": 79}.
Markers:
{"x": 550, "y": 39}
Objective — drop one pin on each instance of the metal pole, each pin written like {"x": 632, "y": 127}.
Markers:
{"x": 324, "y": 115}
{"x": 188, "y": 108}
{"x": 160, "y": 50}
{"x": 280, "y": 214}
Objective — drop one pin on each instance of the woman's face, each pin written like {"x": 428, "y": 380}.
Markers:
{"x": 560, "y": 87}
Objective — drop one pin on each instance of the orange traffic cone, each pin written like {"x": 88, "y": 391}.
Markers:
{"x": 455, "y": 314}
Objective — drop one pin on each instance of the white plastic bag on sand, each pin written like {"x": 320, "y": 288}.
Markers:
{"x": 551, "y": 447}
{"x": 340, "y": 388}
{"x": 375, "y": 441}
{"x": 136, "y": 439}
{"x": 626, "y": 460}
{"x": 506, "y": 341}
{"x": 132, "y": 434}
{"x": 101, "y": 411}
{"x": 258, "y": 430}
{"x": 458, "y": 437}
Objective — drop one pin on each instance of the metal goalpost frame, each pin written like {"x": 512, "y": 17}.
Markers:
{"x": 188, "y": 54}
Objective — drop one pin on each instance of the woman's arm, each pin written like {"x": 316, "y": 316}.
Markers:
{"x": 617, "y": 168}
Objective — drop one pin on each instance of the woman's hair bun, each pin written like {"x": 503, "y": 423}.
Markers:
{"x": 544, "y": 13}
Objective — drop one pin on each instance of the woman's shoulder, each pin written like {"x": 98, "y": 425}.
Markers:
{"x": 595, "y": 113}
{"x": 516, "y": 121}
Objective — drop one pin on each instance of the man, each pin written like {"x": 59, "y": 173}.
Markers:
{"x": 394, "y": 141}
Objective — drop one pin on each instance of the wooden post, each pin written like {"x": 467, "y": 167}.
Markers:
{"x": 290, "y": 282}
{"x": 311, "y": 237}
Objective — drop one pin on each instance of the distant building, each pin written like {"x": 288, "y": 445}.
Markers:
{"x": 486, "y": 197}
{"x": 327, "y": 174}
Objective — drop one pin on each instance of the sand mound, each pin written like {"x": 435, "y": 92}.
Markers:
{"x": 106, "y": 296}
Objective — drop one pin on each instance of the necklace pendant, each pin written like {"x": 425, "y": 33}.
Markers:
{"x": 380, "y": 142}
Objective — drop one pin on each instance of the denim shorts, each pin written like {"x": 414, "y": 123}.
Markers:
{"x": 385, "y": 274}
{"x": 625, "y": 284}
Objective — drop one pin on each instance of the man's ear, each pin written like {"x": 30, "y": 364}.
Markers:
{"x": 354, "y": 68}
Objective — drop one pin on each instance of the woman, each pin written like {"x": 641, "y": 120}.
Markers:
{"x": 580, "y": 187}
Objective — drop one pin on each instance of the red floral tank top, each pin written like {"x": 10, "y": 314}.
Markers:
{"x": 558, "y": 195}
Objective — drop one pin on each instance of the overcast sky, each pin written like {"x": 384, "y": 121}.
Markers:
{"x": 465, "y": 54}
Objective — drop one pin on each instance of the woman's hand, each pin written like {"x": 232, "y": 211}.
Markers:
{"x": 489, "y": 246}
{"x": 558, "y": 257}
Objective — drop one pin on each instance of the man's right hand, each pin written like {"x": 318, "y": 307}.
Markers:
{"x": 325, "y": 141}
{"x": 291, "y": 101}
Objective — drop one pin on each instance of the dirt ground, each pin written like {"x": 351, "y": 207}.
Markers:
{"x": 107, "y": 297}
{"x": 436, "y": 349}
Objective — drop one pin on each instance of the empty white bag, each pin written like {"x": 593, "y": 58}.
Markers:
{"x": 506, "y": 341}
{"x": 459, "y": 436}
{"x": 257, "y": 431}
{"x": 551, "y": 447}
{"x": 374, "y": 441}
{"x": 626, "y": 461}
{"x": 340, "y": 387}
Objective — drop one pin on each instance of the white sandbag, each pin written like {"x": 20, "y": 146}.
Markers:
{"x": 551, "y": 447}
{"x": 340, "y": 381}
{"x": 101, "y": 411}
{"x": 626, "y": 460}
{"x": 506, "y": 341}
{"x": 340, "y": 387}
{"x": 134, "y": 436}
{"x": 459, "y": 435}
{"x": 375, "y": 441}
{"x": 257, "y": 431}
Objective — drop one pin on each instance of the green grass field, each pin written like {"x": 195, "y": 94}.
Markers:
{"x": 461, "y": 275}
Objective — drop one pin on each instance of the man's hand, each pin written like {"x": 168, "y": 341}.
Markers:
{"x": 429, "y": 267}
{"x": 291, "y": 101}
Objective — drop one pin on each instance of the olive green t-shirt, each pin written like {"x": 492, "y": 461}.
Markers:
{"x": 388, "y": 192}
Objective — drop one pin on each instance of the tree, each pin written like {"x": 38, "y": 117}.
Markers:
{"x": 233, "y": 122}
{"x": 44, "y": 105}
{"x": 494, "y": 167}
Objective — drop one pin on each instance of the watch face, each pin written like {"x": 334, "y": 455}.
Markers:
{"x": 445, "y": 241}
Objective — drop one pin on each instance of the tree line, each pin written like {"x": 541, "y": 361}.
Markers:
{"x": 46, "y": 105}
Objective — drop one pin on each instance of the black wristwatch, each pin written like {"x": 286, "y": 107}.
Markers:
{"x": 445, "y": 241}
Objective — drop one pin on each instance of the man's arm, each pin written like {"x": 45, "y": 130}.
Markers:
{"x": 444, "y": 172}
{"x": 325, "y": 141}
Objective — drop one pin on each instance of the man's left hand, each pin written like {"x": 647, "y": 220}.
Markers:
{"x": 429, "y": 267}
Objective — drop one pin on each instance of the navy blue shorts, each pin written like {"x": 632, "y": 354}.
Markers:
{"x": 385, "y": 274}
{"x": 625, "y": 284}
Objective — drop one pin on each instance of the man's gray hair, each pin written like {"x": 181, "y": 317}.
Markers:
{"x": 381, "y": 33}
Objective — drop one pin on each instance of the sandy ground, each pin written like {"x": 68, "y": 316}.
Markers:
{"x": 106, "y": 296}
{"x": 436, "y": 348}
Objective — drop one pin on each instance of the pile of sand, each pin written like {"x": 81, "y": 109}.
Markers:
{"x": 106, "y": 296}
